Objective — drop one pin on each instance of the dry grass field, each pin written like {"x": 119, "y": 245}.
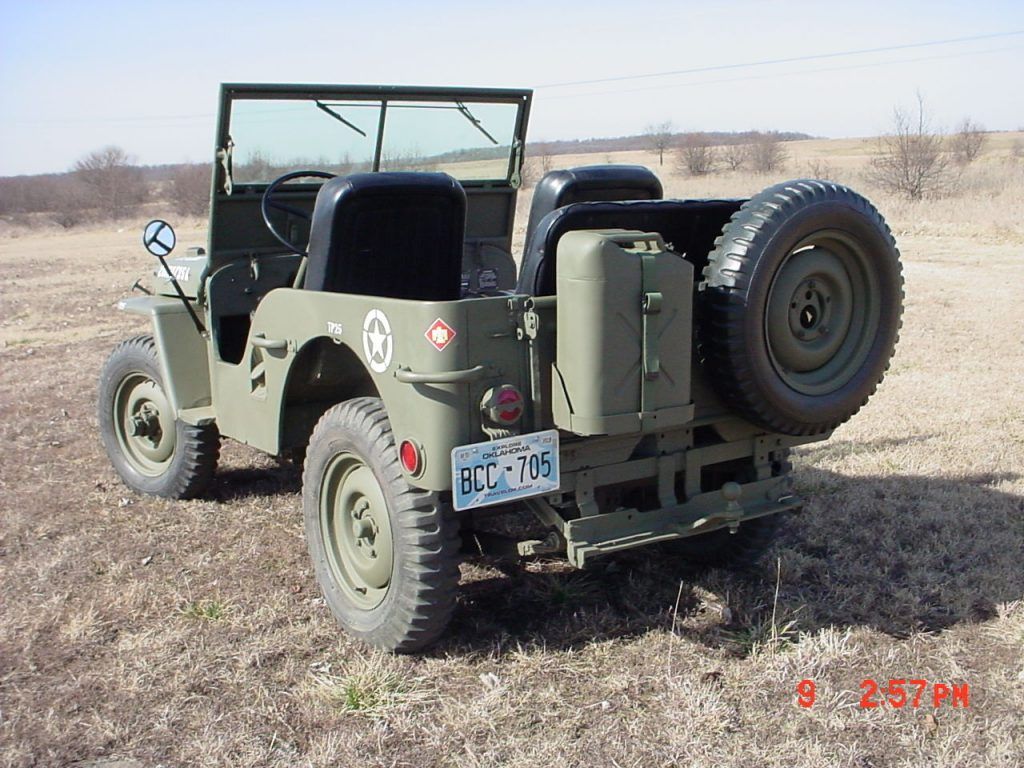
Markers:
{"x": 192, "y": 634}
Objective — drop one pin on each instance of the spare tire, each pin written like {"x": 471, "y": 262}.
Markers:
{"x": 800, "y": 306}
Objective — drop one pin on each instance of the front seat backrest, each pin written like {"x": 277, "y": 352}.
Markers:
{"x": 590, "y": 184}
{"x": 390, "y": 234}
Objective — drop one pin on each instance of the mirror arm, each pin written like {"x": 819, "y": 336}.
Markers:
{"x": 181, "y": 295}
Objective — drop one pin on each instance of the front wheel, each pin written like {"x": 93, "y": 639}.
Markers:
{"x": 384, "y": 552}
{"x": 152, "y": 450}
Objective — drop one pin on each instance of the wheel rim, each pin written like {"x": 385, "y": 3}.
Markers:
{"x": 356, "y": 530}
{"x": 822, "y": 314}
{"x": 144, "y": 425}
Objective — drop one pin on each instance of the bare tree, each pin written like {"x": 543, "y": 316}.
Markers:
{"x": 189, "y": 189}
{"x": 527, "y": 173}
{"x": 254, "y": 167}
{"x": 968, "y": 141}
{"x": 734, "y": 156}
{"x": 766, "y": 152}
{"x": 659, "y": 138}
{"x": 912, "y": 160}
{"x": 537, "y": 163}
{"x": 115, "y": 183}
{"x": 544, "y": 158}
{"x": 821, "y": 169}
{"x": 697, "y": 155}
{"x": 69, "y": 203}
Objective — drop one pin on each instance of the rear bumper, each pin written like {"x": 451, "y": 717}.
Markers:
{"x": 685, "y": 490}
{"x": 600, "y": 534}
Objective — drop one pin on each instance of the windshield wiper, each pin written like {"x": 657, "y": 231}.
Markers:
{"x": 469, "y": 116}
{"x": 340, "y": 119}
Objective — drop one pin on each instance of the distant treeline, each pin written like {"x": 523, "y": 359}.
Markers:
{"x": 108, "y": 184}
{"x": 643, "y": 142}
{"x": 103, "y": 185}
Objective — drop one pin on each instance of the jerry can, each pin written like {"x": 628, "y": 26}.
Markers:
{"x": 624, "y": 334}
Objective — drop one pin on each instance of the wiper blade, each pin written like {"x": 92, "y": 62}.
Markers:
{"x": 469, "y": 116}
{"x": 340, "y": 119}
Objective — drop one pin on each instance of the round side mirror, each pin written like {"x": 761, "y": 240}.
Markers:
{"x": 158, "y": 237}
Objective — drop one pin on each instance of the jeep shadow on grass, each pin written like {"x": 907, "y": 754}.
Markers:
{"x": 637, "y": 382}
{"x": 915, "y": 562}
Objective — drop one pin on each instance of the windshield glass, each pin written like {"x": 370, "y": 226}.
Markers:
{"x": 466, "y": 140}
{"x": 472, "y": 141}
{"x": 274, "y": 137}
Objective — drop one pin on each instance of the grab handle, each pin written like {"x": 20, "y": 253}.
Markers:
{"x": 407, "y": 376}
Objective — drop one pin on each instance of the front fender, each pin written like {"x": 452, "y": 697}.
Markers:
{"x": 182, "y": 354}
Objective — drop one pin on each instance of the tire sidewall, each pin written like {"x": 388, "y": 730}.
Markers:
{"x": 822, "y": 411}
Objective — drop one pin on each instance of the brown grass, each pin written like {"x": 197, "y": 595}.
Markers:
{"x": 191, "y": 633}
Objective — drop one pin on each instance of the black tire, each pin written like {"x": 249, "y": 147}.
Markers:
{"x": 775, "y": 344}
{"x": 721, "y": 549}
{"x": 389, "y": 571}
{"x": 171, "y": 459}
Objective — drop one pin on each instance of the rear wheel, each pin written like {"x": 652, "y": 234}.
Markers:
{"x": 801, "y": 304}
{"x": 385, "y": 553}
{"x": 152, "y": 450}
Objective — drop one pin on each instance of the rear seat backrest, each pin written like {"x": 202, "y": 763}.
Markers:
{"x": 688, "y": 226}
{"x": 590, "y": 184}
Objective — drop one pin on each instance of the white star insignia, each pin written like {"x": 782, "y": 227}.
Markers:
{"x": 377, "y": 339}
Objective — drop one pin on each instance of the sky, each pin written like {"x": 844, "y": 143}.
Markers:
{"x": 76, "y": 76}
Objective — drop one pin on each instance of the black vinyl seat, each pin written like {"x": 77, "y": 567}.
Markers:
{"x": 392, "y": 234}
{"x": 590, "y": 184}
{"x": 688, "y": 226}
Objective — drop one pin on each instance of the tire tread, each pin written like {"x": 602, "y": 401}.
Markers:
{"x": 425, "y": 602}
{"x": 197, "y": 447}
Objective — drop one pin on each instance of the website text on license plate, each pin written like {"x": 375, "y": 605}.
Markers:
{"x": 504, "y": 470}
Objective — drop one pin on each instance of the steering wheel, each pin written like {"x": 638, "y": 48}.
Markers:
{"x": 268, "y": 202}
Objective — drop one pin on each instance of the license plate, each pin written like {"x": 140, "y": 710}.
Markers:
{"x": 504, "y": 470}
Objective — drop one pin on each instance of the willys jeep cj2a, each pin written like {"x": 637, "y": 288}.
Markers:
{"x": 639, "y": 379}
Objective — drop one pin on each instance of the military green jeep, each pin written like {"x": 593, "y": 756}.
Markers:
{"x": 639, "y": 379}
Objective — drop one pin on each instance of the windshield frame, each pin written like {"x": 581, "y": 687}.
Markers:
{"x": 231, "y": 92}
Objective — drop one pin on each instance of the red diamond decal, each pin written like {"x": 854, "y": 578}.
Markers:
{"x": 440, "y": 334}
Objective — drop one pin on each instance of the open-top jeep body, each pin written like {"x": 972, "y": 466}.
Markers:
{"x": 639, "y": 378}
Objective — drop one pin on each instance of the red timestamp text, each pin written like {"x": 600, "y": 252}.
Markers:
{"x": 897, "y": 693}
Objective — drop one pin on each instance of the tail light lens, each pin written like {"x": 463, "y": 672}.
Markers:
{"x": 502, "y": 406}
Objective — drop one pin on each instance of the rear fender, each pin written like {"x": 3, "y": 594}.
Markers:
{"x": 182, "y": 355}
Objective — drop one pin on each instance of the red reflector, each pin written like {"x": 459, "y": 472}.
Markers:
{"x": 410, "y": 456}
{"x": 509, "y": 414}
{"x": 510, "y": 405}
{"x": 502, "y": 406}
{"x": 509, "y": 395}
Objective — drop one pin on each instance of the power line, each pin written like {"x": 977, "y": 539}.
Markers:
{"x": 775, "y": 75}
{"x": 787, "y": 60}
